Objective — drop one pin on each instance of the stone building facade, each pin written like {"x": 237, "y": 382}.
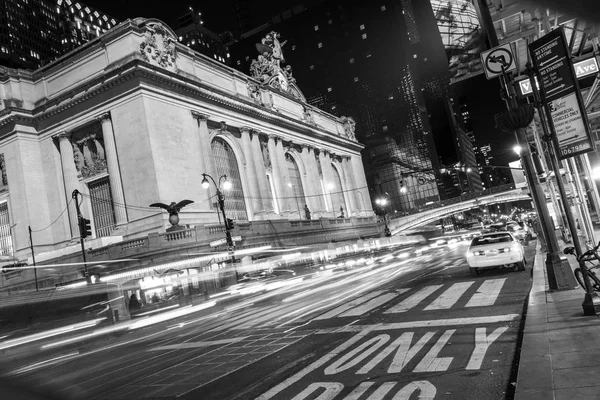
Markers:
{"x": 133, "y": 118}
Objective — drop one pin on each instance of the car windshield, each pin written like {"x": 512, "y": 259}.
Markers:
{"x": 490, "y": 239}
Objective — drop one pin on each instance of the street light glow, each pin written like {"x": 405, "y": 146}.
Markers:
{"x": 517, "y": 149}
{"x": 205, "y": 184}
{"x": 596, "y": 173}
{"x": 227, "y": 184}
{"x": 403, "y": 189}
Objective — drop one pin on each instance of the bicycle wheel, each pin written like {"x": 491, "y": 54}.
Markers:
{"x": 593, "y": 280}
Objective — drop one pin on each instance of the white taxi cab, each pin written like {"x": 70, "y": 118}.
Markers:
{"x": 495, "y": 250}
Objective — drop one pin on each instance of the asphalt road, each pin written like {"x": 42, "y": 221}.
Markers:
{"x": 411, "y": 325}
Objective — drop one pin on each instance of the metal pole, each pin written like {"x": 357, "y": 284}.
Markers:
{"x": 582, "y": 205}
{"x": 594, "y": 195}
{"x": 75, "y": 197}
{"x": 33, "y": 258}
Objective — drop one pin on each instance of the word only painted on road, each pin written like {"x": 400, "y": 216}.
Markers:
{"x": 377, "y": 353}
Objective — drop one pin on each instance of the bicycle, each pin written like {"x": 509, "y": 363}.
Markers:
{"x": 589, "y": 256}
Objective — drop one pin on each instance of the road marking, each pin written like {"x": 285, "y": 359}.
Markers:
{"x": 332, "y": 389}
{"x": 431, "y": 362}
{"x": 482, "y": 343}
{"x": 422, "y": 324}
{"x": 195, "y": 345}
{"x": 403, "y": 355}
{"x": 271, "y": 317}
{"x": 413, "y": 300}
{"x": 313, "y": 366}
{"x": 349, "y": 305}
{"x": 487, "y": 293}
{"x": 359, "y": 391}
{"x": 369, "y": 305}
{"x": 450, "y": 296}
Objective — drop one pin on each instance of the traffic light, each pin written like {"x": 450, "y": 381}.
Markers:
{"x": 85, "y": 228}
{"x": 230, "y": 224}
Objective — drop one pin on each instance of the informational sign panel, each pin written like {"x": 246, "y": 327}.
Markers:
{"x": 498, "y": 60}
{"x": 517, "y": 174}
{"x": 561, "y": 94}
{"x": 582, "y": 69}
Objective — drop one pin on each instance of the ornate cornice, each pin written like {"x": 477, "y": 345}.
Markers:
{"x": 62, "y": 135}
{"x": 192, "y": 88}
{"x": 246, "y": 129}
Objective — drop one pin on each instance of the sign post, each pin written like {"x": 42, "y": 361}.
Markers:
{"x": 567, "y": 122}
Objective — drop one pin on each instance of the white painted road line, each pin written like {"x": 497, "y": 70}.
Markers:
{"x": 422, "y": 324}
{"x": 369, "y": 305}
{"x": 195, "y": 345}
{"x": 450, "y": 296}
{"x": 345, "y": 307}
{"x": 487, "y": 293}
{"x": 413, "y": 300}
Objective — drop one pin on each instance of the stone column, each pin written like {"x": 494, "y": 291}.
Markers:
{"x": 114, "y": 172}
{"x": 276, "y": 173}
{"x": 288, "y": 192}
{"x": 326, "y": 169}
{"x": 350, "y": 185}
{"x": 363, "y": 199}
{"x": 313, "y": 180}
{"x": 207, "y": 162}
{"x": 261, "y": 172}
{"x": 70, "y": 179}
{"x": 253, "y": 189}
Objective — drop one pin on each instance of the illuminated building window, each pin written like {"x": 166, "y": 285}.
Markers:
{"x": 352, "y": 61}
{"x": 293, "y": 47}
{"x": 320, "y": 45}
{"x": 383, "y": 8}
{"x": 329, "y": 89}
{"x": 316, "y": 27}
{"x": 239, "y": 62}
{"x": 312, "y": 67}
{"x": 356, "y": 79}
{"x": 385, "y": 128}
{"x": 330, "y": 22}
{"x": 362, "y": 27}
{"x": 364, "y": 35}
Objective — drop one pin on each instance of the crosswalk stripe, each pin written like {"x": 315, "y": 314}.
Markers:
{"x": 487, "y": 293}
{"x": 240, "y": 320}
{"x": 413, "y": 300}
{"x": 449, "y": 297}
{"x": 369, "y": 305}
{"x": 351, "y": 304}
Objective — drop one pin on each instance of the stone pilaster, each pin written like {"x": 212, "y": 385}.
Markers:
{"x": 114, "y": 172}
{"x": 288, "y": 193}
{"x": 70, "y": 179}
{"x": 363, "y": 199}
{"x": 261, "y": 172}
{"x": 350, "y": 185}
{"x": 206, "y": 156}
{"x": 276, "y": 174}
{"x": 328, "y": 181}
{"x": 313, "y": 180}
{"x": 253, "y": 188}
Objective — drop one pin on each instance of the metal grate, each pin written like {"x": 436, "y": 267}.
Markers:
{"x": 6, "y": 242}
{"x": 226, "y": 164}
{"x": 102, "y": 207}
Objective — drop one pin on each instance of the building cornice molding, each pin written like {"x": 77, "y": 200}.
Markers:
{"x": 192, "y": 88}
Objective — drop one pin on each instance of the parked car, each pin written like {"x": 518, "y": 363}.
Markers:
{"x": 495, "y": 250}
{"x": 521, "y": 232}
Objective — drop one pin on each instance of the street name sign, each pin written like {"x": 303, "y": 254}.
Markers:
{"x": 236, "y": 238}
{"x": 498, "y": 60}
{"x": 582, "y": 69}
{"x": 561, "y": 95}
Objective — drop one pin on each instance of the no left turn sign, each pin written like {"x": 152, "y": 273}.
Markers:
{"x": 498, "y": 60}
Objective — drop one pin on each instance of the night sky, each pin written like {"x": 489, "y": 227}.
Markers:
{"x": 220, "y": 16}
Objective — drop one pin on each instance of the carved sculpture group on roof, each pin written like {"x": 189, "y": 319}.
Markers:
{"x": 268, "y": 69}
{"x": 158, "y": 47}
{"x": 349, "y": 127}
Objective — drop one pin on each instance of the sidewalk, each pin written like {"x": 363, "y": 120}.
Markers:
{"x": 560, "y": 353}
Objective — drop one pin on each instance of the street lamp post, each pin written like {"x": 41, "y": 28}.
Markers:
{"x": 382, "y": 202}
{"x": 221, "y": 202}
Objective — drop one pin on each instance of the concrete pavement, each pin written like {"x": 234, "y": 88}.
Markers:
{"x": 560, "y": 356}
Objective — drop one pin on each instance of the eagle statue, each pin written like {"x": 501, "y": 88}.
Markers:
{"x": 173, "y": 209}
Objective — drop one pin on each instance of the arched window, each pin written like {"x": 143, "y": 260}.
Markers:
{"x": 298, "y": 201}
{"x": 337, "y": 194}
{"x": 226, "y": 164}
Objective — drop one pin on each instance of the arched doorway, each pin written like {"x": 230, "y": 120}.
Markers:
{"x": 298, "y": 201}
{"x": 226, "y": 164}
{"x": 337, "y": 194}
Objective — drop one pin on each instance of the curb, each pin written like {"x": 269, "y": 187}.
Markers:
{"x": 534, "y": 377}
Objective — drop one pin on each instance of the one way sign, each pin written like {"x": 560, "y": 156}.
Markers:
{"x": 498, "y": 60}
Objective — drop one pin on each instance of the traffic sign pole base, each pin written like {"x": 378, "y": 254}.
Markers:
{"x": 591, "y": 304}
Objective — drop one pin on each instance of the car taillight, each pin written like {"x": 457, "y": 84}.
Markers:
{"x": 477, "y": 253}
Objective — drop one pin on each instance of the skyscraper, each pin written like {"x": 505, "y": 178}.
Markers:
{"x": 191, "y": 32}
{"x": 37, "y": 32}
{"x": 367, "y": 60}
